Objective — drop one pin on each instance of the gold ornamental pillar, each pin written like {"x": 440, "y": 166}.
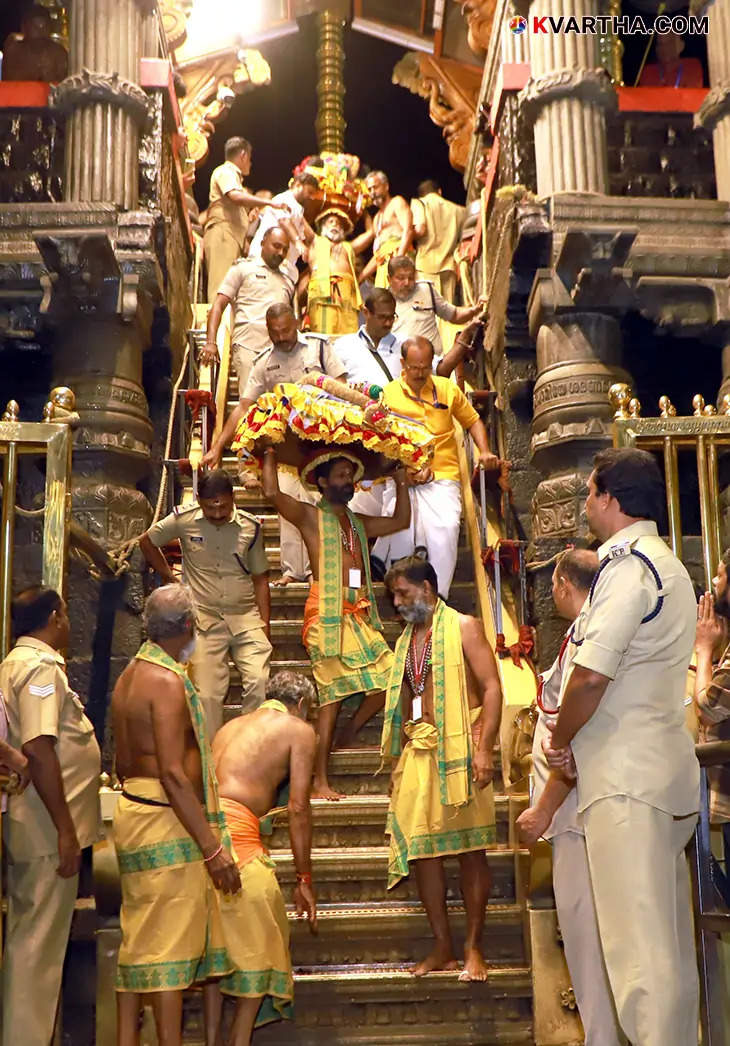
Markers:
{"x": 330, "y": 122}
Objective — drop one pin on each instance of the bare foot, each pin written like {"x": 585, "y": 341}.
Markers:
{"x": 322, "y": 790}
{"x": 475, "y": 968}
{"x": 285, "y": 579}
{"x": 441, "y": 958}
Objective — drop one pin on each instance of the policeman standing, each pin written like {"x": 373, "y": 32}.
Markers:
{"x": 288, "y": 359}
{"x": 49, "y": 825}
{"x": 622, "y": 720}
{"x": 225, "y": 564}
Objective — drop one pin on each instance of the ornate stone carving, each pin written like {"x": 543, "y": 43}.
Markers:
{"x": 589, "y": 85}
{"x": 89, "y": 88}
{"x": 212, "y": 85}
{"x": 479, "y": 16}
{"x": 684, "y": 304}
{"x": 593, "y": 430}
{"x": 715, "y": 105}
{"x": 452, "y": 90}
{"x": 110, "y": 513}
{"x": 557, "y": 508}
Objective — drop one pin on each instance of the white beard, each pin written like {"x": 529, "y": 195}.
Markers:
{"x": 334, "y": 235}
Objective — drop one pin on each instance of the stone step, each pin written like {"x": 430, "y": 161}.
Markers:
{"x": 359, "y": 875}
{"x": 359, "y": 820}
{"x": 390, "y": 932}
{"x": 383, "y": 1005}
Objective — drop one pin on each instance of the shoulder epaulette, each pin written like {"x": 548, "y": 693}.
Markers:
{"x": 263, "y": 352}
{"x": 181, "y": 510}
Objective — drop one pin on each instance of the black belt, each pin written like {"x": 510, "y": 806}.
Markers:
{"x": 139, "y": 799}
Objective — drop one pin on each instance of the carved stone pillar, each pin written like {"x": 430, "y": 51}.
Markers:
{"x": 105, "y": 104}
{"x": 714, "y": 113}
{"x": 568, "y": 94}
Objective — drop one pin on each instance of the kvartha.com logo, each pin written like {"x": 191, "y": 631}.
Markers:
{"x": 618, "y": 25}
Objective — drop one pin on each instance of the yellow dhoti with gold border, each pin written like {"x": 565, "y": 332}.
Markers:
{"x": 383, "y": 253}
{"x": 342, "y": 630}
{"x": 255, "y": 926}
{"x": 435, "y": 807}
{"x": 334, "y": 300}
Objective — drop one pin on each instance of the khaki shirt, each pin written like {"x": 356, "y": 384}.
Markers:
{"x": 273, "y": 366}
{"x": 416, "y": 317}
{"x": 40, "y": 703}
{"x": 223, "y": 180}
{"x": 567, "y": 818}
{"x": 218, "y": 562}
{"x": 636, "y": 743}
{"x": 443, "y": 220}
{"x": 252, "y": 287}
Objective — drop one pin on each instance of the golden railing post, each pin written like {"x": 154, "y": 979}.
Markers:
{"x": 671, "y": 474}
{"x": 703, "y": 476}
{"x": 7, "y": 530}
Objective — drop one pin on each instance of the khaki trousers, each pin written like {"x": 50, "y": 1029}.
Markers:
{"x": 641, "y": 891}
{"x": 582, "y": 943}
{"x": 242, "y": 363}
{"x": 221, "y": 249}
{"x": 251, "y": 654}
{"x": 40, "y": 908}
{"x": 294, "y": 558}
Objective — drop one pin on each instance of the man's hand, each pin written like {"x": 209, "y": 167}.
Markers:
{"x": 212, "y": 460}
{"x": 224, "y": 872}
{"x": 488, "y": 461}
{"x": 482, "y": 765}
{"x": 531, "y": 824}
{"x": 209, "y": 354}
{"x": 559, "y": 758}
{"x": 711, "y": 629}
{"x": 424, "y": 475}
{"x": 69, "y": 854}
{"x": 306, "y": 903}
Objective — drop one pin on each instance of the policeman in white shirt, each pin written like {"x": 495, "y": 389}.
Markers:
{"x": 419, "y": 305}
{"x": 622, "y": 727}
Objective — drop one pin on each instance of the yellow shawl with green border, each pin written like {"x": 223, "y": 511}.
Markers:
{"x": 450, "y": 706}
{"x": 331, "y": 588}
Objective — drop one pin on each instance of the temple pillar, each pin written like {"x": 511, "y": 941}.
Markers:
{"x": 567, "y": 95}
{"x": 714, "y": 113}
{"x": 105, "y": 104}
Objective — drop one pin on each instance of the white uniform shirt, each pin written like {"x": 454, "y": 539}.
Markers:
{"x": 270, "y": 218}
{"x": 416, "y": 317}
{"x": 636, "y": 743}
{"x": 252, "y": 287}
{"x": 365, "y": 361}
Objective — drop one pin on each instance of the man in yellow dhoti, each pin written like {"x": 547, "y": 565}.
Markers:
{"x": 170, "y": 835}
{"x": 253, "y": 755}
{"x": 444, "y": 695}
{"x": 333, "y": 294}
{"x": 342, "y": 630}
{"x": 391, "y": 232}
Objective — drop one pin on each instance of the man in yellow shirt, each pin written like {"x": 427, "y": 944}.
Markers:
{"x": 436, "y": 495}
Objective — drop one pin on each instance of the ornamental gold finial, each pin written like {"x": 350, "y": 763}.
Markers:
{"x": 725, "y": 404}
{"x": 60, "y": 406}
{"x": 698, "y": 402}
{"x": 667, "y": 408}
{"x": 710, "y": 410}
{"x": 634, "y": 407}
{"x": 619, "y": 396}
{"x": 12, "y": 411}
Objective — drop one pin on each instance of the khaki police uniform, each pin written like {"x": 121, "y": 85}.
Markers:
{"x": 417, "y": 317}
{"x": 226, "y": 226}
{"x": 638, "y": 782}
{"x": 252, "y": 287}
{"x": 435, "y": 251}
{"x": 270, "y": 368}
{"x": 40, "y": 703}
{"x": 571, "y": 877}
{"x": 218, "y": 564}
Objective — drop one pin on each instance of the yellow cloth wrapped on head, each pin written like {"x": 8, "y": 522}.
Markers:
{"x": 435, "y": 807}
{"x": 255, "y": 926}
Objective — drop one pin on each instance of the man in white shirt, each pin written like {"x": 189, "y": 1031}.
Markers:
{"x": 373, "y": 354}
{"x": 419, "y": 306}
{"x": 292, "y": 220}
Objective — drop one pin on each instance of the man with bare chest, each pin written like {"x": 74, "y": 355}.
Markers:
{"x": 172, "y": 853}
{"x": 442, "y": 714}
{"x": 342, "y": 631}
{"x": 253, "y": 756}
{"x": 391, "y": 234}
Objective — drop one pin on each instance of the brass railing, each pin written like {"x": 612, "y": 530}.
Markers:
{"x": 50, "y": 438}
{"x": 703, "y": 434}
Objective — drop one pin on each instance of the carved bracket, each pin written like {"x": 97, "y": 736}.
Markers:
{"x": 89, "y": 88}
{"x": 588, "y": 85}
{"x": 83, "y": 275}
{"x": 714, "y": 107}
{"x": 688, "y": 305}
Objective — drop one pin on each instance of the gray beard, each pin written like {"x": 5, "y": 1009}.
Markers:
{"x": 333, "y": 236}
{"x": 418, "y": 612}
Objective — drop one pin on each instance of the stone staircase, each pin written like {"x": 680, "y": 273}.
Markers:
{"x": 352, "y": 980}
